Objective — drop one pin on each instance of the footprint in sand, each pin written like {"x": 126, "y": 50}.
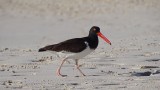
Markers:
{"x": 13, "y": 84}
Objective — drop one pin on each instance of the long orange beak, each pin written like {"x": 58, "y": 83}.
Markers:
{"x": 103, "y": 37}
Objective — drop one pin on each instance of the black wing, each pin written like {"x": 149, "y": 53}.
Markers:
{"x": 73, "y": 45}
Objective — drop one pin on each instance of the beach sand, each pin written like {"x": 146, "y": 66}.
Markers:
{"x": 132, "y": 62}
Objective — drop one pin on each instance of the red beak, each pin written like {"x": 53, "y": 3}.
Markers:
{"x": 103, "y": 37}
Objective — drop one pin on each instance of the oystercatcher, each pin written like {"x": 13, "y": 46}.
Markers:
{"x": 77, "y": 47}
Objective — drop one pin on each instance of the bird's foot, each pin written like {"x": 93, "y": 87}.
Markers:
{"x": 81, "y": 65}
{"x": 59, "y": 74}
{"x": 63, "y": 75}
{"x": 80, "y": 70}
{"x": 83, "y": 74}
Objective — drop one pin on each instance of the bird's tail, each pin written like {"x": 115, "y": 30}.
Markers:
{"x": 49, "y": 47}
{"x": 41, "y": 50}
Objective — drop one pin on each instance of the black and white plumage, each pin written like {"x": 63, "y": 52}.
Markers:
{"x": 79, "y": 47}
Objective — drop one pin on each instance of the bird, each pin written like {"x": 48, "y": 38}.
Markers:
{"x": 77, "y": 48}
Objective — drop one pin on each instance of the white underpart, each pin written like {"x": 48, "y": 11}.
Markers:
{"x": 71, "y": 55}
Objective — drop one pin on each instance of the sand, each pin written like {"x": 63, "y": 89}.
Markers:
{"x": 131, "y": 63}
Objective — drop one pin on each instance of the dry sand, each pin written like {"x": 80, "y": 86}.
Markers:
{"x": 131, "y": 63}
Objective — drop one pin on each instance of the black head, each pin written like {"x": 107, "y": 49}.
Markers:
{"x": 94, "y": 30}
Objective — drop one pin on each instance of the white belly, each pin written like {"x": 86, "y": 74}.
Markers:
{"x": 71, "y": 55}
{"x": 81, "y": 54}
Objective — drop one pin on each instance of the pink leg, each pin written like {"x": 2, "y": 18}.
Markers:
{"x": 58, "y": 70}
{"x": 77, "y": 66}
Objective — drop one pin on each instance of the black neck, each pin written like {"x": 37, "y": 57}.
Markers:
{"x": 92, "y": 40}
